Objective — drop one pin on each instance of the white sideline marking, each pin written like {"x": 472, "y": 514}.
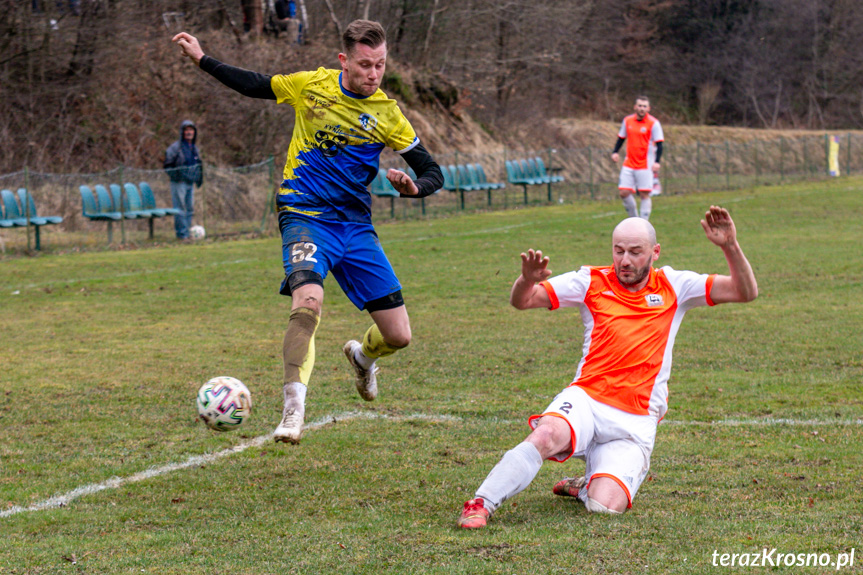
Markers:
{"x": 198, "y": 460}
{"x": 767, "y": 421}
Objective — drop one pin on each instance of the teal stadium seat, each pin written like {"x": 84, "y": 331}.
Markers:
{"x": 542, "y": 173}
{"x": 529, "y": 172}
{"x": 514, "y": 176}
{"x": 524, "y": 170}
{"x": 18, "y": 216}
{"x": 480, "y": 172}
{"x": 448, "y": 179}
{"x": 36, "y": 220}
{"x": 538, "y": 172}
{"x": 98, "y": 207}
{"x": 460, "y": 178}
{"x": 134, "y": 204}
{"x": 10, "y": 208}
{"x": 122, "y": 203}
{"x": 4, "y": 223}
{"x": 466, "y": 182}
{"x": 149, "y": 201}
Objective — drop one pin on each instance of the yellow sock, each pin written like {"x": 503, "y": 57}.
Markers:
{"x": 308, "y": 363}
{"x": 374, "y": 345}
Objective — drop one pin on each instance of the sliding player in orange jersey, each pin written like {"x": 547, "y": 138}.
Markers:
{"x": 643, "y": 135}
{"x": 608, "y": 415}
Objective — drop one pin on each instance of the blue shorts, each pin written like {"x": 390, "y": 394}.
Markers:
{"x": 351, "y": 250}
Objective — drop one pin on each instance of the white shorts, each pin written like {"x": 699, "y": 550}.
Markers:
{"x": 640, "y": 180}
{"x": 613, "y": 443}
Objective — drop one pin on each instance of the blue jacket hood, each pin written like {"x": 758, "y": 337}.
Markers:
{"x": 188, "y": 124}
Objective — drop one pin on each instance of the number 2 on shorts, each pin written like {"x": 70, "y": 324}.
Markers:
{"x": 303, "y": 252}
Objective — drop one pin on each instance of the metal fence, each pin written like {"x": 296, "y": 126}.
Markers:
{"x": 241, "y": 200}
{"x": 230, "y": 201}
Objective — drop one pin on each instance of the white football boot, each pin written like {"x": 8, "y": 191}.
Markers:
{"x": 367, "y": 380}
{"x": 291, "y": 427}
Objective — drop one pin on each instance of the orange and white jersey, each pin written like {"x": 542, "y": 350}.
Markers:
{"x": 641, "y": 137}
{"x": 628, "y": 337}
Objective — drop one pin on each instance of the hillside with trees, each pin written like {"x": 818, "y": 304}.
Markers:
{"x": 88, "y": 84}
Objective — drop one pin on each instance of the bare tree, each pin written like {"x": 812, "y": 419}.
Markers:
{"x": 89, "y": 30}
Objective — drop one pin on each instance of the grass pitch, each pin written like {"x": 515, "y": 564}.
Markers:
{"x": 104, "y": 468}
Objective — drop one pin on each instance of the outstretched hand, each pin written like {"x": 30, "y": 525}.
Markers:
{"x": 534, "y": 267}
{"x": 402, "y": 183}
{"x": 190, "y": 46}
{"x": 719, "y": 227}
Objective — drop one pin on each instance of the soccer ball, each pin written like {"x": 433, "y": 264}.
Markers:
{"x": 224, "y": 403}
{"x": 197, "y": 232}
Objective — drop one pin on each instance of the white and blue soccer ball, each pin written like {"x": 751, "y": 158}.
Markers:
{"x": 224, "y": 403}
{"x": 197, "y": 232}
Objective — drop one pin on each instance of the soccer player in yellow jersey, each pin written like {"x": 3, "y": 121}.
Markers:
{"x": 609, "y": 413}
{"x": 343, "y": 122}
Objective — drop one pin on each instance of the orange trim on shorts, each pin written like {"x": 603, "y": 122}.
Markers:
{"x": 533, "y": 418}
{"x": 618, "y": 481}
{"x": 555, "y": 303}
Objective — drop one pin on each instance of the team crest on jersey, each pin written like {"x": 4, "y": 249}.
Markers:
{"x": 643, "y": 130}
{"x": 653, "y": 300}
{"x": 368, "y": 122}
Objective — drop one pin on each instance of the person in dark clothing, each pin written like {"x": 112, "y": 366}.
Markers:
{"x": 286, "y": 9}
{"x": 285, "y": 18}
{"x": 183, "y": 165}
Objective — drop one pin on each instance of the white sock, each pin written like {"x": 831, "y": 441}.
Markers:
{"x": 362, "y": 359}
{"x": 510, "y": 476}
{"x": 300, "y": 389}
{"x": 629, "y": 205}
{"x": 595, "y": 506}
{"x": 646, "y": 205}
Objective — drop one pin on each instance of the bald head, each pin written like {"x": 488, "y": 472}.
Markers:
{"x": 634, "y": 249}
{"x": 635, "y": 228}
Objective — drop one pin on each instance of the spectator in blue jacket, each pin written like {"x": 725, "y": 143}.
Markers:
{"x": 183, "y": 165}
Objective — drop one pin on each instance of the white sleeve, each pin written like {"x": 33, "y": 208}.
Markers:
{"x": 622, "y": 132}
{"x": 656, "y": 132}
{"x": 690, "y": 287}
{"x": 569, "y": 289}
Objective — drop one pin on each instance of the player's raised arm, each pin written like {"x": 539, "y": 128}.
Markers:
{"x": 526, "y": 292}
{"x": 246, "y": 82}
{"x": 190, "y": 46}
{"x": 740, "y": 286}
